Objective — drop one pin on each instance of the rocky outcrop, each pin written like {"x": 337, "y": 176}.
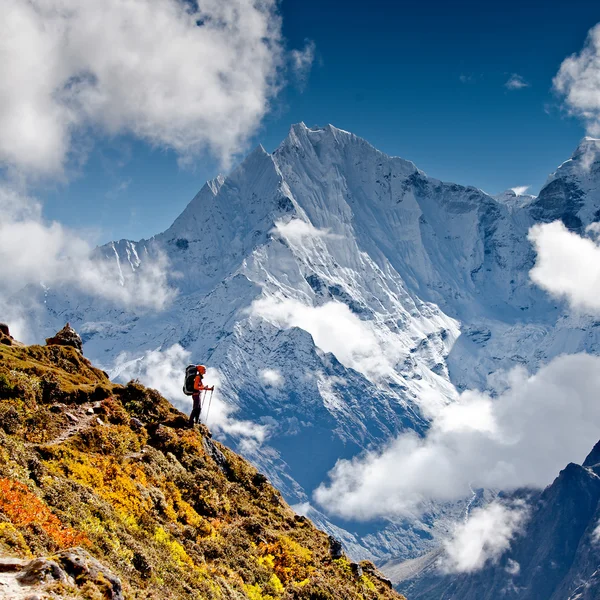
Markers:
{"x": 67, "y": 336}
{"x": 68, "y": 572}
{"x": 6, "y": 338}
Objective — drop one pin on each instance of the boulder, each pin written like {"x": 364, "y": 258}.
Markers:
{"x": 71, "y": 567}
{"x": 82, "y": 567}
{"x": 67, "y": 336}
{"x": 335, "y": 548}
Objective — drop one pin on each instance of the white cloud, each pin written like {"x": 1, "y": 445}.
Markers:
{"x": 516, "y": 82}
{"x": 336, "y": 329}
{"x": 578, "y": 81}
{"x": 35, "y": 252}
{"x": 483, "y": 538}
{"x": 272, "y": 378}
{"x": 143, "y": 67}
{"x": 520, "y": 437}
{"x": 520, "y": 189}
{"x": 596, "y": 534}
{"x": 513, "y": 567}
{"x": 173, "y": 74}
{"x": 298, "y": 232}
{"x": 567, "y": 265}
{"x": 466, "y": 78}
{"x": 302, "y": 62}
{"x": 164, "y": 371}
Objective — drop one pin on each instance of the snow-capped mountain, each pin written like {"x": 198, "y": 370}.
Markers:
{"x": 341, "y": 293}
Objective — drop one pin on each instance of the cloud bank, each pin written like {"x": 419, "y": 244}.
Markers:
{"x": 336, "y": 329}
{"x": 567, "y": 265}
{"x": 578, "y": 82}
{"x": 179, "y": 76}
{"x": 34, "y": 252}
{"x": 520, "y": 436}
{"x": 163, "y": 370}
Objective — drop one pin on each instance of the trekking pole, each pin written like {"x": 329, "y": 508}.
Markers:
{"x": 202, "y": 402}
{"x": 209, "y": 403}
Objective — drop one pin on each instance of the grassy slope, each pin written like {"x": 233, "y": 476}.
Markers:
{"x": 173, "y": 513}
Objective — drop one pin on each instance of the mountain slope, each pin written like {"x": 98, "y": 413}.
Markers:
{"x": 113, "y": 469}
{"x": 343, "y": 294}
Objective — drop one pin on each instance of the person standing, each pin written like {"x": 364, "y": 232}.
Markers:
{"x": 199, "y": 387}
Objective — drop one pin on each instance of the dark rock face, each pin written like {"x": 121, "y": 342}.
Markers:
{"x": 67, "y": 336}
{"x": 6, "y": 338}
{"x": 557, "y": 554}
{"x": 335, "y": 548}
{"x": 560, "y": 199}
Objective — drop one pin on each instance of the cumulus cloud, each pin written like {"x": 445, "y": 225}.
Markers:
{"x": 567, "y": 264}
{"x": 272, "y": 378}
{"x": 179, "y": 75}
{"x": 163, "y": 370}
{"x": 516, "y": 82}
{"x": 336, "y": 329}
{"x": 578, "y": 82}
{"x": 521, "y": 435}
{"x": 483, "y": 538}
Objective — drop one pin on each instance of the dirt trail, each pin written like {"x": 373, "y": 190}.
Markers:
{"x": 80, "y": 418}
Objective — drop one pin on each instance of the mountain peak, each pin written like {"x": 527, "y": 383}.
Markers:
{"x": 300, "y": 132}
{"x": 593, "y": 457}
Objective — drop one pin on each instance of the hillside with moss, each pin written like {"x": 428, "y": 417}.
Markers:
{"x": 167, "y": 511}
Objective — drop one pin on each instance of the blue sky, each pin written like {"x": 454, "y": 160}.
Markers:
{"x": 424, "y": 81}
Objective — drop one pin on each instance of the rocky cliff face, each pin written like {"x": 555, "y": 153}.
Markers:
{"x": 105, "y": 493}
{"x": 337, "y": 290}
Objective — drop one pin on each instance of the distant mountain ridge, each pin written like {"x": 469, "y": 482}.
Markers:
{"x": 555, "y": 557}
{"x": 430, "y": 279}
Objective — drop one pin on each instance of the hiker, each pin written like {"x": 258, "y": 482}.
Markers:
{"x": 195, "y": 389}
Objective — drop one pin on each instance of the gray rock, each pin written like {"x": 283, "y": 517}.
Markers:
{"x": 213, "y": 451}
{"x": 41, "y": 570}
{"x": 80, "y": 565}
{"x": 71, "y": 417}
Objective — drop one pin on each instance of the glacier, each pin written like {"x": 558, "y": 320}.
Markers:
{"x": 342, "y": 294}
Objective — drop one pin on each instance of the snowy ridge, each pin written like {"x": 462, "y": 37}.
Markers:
{"x": 369, "y": 291}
